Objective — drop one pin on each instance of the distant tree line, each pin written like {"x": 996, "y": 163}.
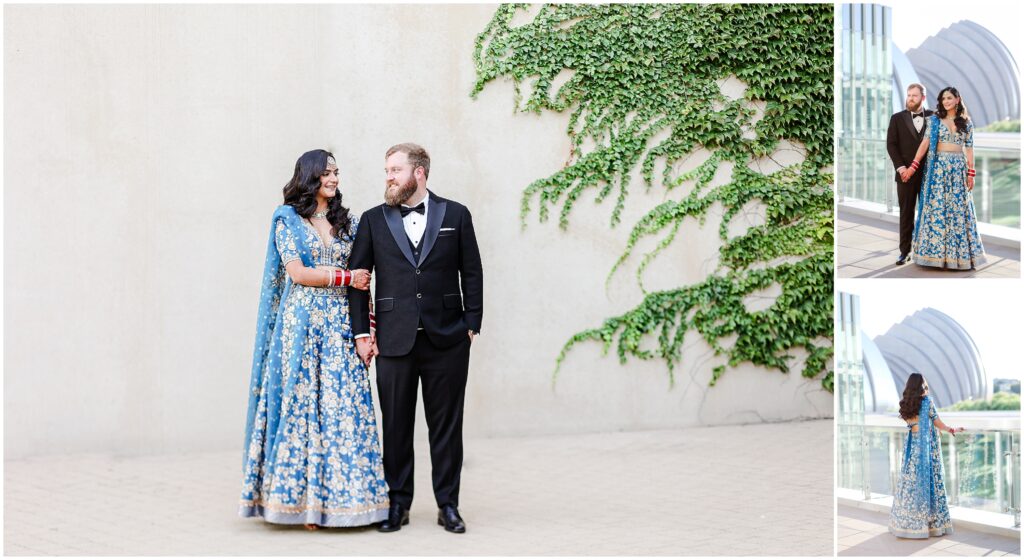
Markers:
{"x": 999, "y": 401}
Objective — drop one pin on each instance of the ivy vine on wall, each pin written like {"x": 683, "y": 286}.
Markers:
{"x": 642, "y": 84}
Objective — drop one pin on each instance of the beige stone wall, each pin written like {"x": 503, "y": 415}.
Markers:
{"x": 145, "y": 150}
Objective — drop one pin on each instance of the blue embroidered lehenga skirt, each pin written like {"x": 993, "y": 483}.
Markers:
{"x": 947, "y": 233}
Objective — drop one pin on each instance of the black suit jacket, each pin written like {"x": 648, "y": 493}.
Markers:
{"x": 902, "y": 141}
{"x": 443, "y": 291}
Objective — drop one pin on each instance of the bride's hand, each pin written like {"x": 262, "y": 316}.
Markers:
{"x": 970, "y": 183}
{"x": 361, "y": 279}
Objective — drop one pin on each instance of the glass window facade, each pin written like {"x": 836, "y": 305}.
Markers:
{"x": 865, "y": 99}
{"x": 853, "y": 464}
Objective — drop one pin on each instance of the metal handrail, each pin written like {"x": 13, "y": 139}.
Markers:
{"x": 1014, "y": 506}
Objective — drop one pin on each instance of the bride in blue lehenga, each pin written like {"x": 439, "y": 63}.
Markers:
{"x": 312, "y": 454}
{"x": 919, "y": 508}
{"x": 946, "y": 227}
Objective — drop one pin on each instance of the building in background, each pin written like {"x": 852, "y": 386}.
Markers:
{"x": 933, "y": 344}
{"x": 851, "y": 392}
{"x": 1000, "y": 385}
{"x": 972, "y": 59}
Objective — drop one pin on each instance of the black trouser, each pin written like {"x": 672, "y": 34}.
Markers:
{"x": 444, "y": 373}
{"x": 907, "y": 193}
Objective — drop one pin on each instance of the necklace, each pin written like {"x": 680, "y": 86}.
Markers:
{"x": 320, "y": 214}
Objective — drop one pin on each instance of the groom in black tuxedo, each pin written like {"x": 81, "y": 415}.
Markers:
{"x": 429, "y": 305}
{"x": 906, "y": 131}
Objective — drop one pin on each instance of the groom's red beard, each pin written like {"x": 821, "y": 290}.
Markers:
{"x": 395, "y": 194}
{"x": 914, "y": 108}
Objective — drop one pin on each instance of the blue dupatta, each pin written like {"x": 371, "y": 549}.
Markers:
{"x": 266, "y": 354}
{"x": 927, "y": 184}
{"x": 926, "y": 439}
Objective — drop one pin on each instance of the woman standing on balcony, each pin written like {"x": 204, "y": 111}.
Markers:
{"x": 946, "y": 230}
{"x": 919, "y": 507}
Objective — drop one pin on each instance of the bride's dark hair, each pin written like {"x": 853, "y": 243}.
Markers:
{"x": 960, "y": 119}
{"x": 300, "y": 192}
{"x": 910, "y": 404}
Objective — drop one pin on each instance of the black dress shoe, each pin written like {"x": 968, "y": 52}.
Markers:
{"x": 903, "y": 258}
{"x": 448, "y": 516}
{"x": 397, "y": 516}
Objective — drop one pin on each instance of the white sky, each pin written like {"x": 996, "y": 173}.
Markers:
{"x": 991, "y": 311}
{"x": 913, "y": 22}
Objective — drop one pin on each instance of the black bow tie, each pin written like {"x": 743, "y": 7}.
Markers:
{"x": 915, "y": 115}
{"x": 406, "y": 210}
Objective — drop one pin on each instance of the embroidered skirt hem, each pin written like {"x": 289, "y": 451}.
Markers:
{"x": 953, "y": 264}
{"x": 922, "y": 534}
{"x": 316, "y": 516}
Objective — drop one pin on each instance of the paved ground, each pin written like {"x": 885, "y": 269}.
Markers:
{"x": 740, "y": 490}
{"x": 866, "y": 533}
{"x": 868, "y": 248}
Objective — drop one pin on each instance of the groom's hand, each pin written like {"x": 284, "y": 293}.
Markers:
{"x": 361, "y": 279}
{"x": 366, "y": 350}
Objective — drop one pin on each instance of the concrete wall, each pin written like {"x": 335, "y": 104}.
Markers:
{"x": 145, "y": 149}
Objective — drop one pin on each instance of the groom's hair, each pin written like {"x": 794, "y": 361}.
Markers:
{"x": 919, "y": 87}
{"x": 418, "y": 157}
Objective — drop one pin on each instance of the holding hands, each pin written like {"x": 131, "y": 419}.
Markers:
{"x": 366, "y": 347}
{"x": 909, "y": 171}
{"x": 360, "y": 277}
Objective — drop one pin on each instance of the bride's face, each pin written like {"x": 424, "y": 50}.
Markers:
{"x": 949, "y": 101}
{"x": 329, "y": 181}
{"x": 924, "y": 389}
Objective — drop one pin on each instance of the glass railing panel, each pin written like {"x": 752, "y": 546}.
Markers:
{"x": 866, "y": 174}
{"x": 980, "y": 466}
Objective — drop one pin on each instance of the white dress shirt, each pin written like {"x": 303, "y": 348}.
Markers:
{"x": 919, "y": 121}
{"x": 416, "y": 223}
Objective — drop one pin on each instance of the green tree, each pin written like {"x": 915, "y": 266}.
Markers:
{"x": 999, "y": 401}
{"x": 1002, "y": 126}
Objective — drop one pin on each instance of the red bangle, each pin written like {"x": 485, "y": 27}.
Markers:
{"x": 337, "y": 279}
{"x": 914, "y": 164}
{"x": 348, "y": 278}
{"x": 971, "y": 173}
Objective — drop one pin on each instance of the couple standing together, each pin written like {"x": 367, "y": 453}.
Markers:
{"x": 933, "y": 153}
{"x": 311, "y": 453}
